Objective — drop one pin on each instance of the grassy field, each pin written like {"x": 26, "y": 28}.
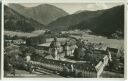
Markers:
{"x": 23, "y": 34}
{"x": 108, "y": 42}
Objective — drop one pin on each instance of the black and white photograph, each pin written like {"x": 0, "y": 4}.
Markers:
{"x": 64, "y": 40}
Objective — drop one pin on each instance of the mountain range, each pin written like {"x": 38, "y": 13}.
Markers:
{"x": 43, "y": 13}
{"x": 65, "y": 22}
{"x": 103, "y": 22}
{"x": 14, "y": 21}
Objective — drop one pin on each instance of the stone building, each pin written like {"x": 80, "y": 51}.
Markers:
{"x": 69, "y": 49}
{"x": 55, "y": 49}
{"x": 83, "y": 70}
{"x": 16, "y": 42}
{"x": 113, "y": 51}
{"x": 99, "y": 59}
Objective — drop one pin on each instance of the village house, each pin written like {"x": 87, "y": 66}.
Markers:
{"x": 19, "y": 41}
{"x": 113, "y": 51}
{"x": 44, "y": 46}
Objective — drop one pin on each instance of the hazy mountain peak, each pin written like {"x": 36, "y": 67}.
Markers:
{"x": 79, "y": 11}
{"x": 43, "y": 13}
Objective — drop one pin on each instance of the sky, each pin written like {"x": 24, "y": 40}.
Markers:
{"x": 73, "y": 7}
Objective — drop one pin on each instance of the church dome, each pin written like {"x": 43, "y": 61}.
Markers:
{"x": 55, "y": 43}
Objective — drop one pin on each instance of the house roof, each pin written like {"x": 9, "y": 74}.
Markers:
{"x": 44, "y": 45}
{"x": 49, "y": 57}
{"x": 88, "y": 66}
{"x": 55, "y": 44}
{"x": 79, "y": 66}
{"x": 115, "y": 50}
{"x": 18, "y": 40}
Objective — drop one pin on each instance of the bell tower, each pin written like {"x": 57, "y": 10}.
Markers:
{"x": 66, "y": 49}
{"x": 54, "y": 49}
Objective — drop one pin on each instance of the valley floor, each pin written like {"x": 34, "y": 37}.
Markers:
{"x": 114, "y": 43}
